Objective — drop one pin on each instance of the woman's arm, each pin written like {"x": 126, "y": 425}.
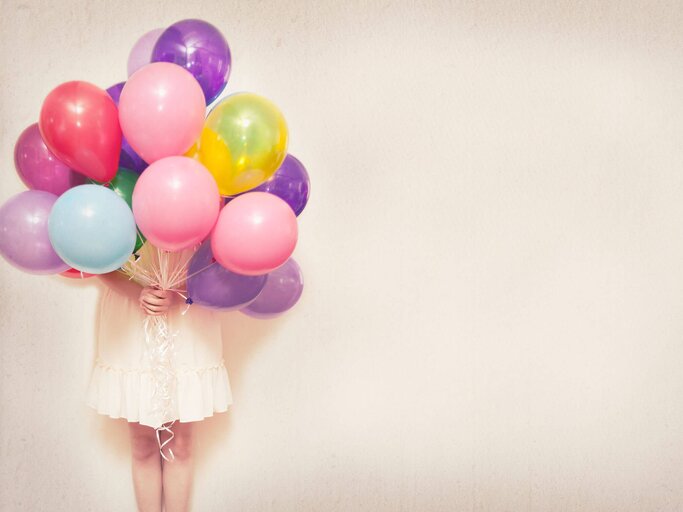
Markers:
{"x": 120, "y": 283}
{"x": 151, "y": 300}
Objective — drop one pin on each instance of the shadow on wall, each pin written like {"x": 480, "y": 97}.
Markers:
{"x": 242, "y": 337}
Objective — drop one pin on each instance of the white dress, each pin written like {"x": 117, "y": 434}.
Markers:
{"x": 121, "y": 383}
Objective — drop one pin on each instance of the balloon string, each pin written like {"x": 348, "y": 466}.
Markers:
{"x": 167, "y": 428}
{"x": 197, "y": 272}
{"x": 163, "y": 270}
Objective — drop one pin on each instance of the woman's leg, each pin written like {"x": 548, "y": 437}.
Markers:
{"x": 146, "y": 467}
{"x": 177, "y": 472}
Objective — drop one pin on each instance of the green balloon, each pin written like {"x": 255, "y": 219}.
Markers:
{"x": 123, "y": 184}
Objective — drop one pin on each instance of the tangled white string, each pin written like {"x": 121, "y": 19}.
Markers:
{"x": 165, "y": 271}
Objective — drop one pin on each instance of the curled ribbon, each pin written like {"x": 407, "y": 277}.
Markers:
{"x": 166, "y": 271}
{"x": 167, "y": 428}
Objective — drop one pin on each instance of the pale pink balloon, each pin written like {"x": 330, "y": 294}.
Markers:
{"x": 255, "y": 234}
{"x": 161, "y": 111}
{"x": 141, "y": 54}
{"x": 176, "y": 203}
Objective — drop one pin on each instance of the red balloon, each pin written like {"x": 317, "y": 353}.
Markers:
{"x": 72, "y": 273}
{"x": 79, "y": 123}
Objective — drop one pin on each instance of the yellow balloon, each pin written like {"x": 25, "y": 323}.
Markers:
{"x": 243, "y": 143}
{"x": 193, "y": 152}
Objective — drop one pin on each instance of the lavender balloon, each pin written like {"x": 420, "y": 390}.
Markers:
{"x": 212, "y": 286}
{"x": 141, "y": 54}
{"x": 200, "y": 48}
{"x": 282, "y": 290}
{"x": 24, "y": 239}
{"x": 38, "y": 168}
{"x": 128, "y": 159}
{"x": 290, "y": 182}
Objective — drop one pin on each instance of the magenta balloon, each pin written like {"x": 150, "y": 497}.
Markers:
{"x": 141, "y": 54}
{"x": 24, "y": 239}
{"x": 176, "y": 203}
{"x": 282, "y": 291}
{"x": 38, "y": 168}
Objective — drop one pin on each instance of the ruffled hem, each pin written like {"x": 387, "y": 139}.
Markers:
{"x": 127, "y": 393}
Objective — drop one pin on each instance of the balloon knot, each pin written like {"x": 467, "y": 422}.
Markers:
{"x": 189, "y": 301}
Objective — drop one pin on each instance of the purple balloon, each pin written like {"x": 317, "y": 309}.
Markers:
{"x": 290, "y": 182}
{"x": 24, "y": 239}
{"x": 141, "y": 54}
{"x": 200, "y": 48}
{"x": 282, "y": 290}
{"x": 212, "y": 286}
{"x": 38, "y": 168}
{"x": 128, "y": 158}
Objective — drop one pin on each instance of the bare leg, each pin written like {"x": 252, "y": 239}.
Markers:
{"x": 146, "y": 467}
{"x": 177, "y": 473}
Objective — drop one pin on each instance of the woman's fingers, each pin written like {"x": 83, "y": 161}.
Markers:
{"x": 155, "y": 307}
{"x": 153, "y": 310}
{"x": 155, "y": 301}
{"x": 162, "y": 294}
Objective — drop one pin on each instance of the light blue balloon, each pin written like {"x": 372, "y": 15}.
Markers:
{"x": 92, "y": 229}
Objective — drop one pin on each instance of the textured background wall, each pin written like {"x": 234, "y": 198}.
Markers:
{"x": 492, "y": 318}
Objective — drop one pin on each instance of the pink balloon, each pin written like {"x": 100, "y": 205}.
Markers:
{"x": 141, "y": 54}
{"x": 161, "y": 110}
{"x": 255, "y": 234}
{"x": 176, "y": 203}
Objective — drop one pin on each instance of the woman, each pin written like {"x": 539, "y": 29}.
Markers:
{"x": 122, "y": 384}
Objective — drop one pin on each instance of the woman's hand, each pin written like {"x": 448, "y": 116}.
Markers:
{"x": 156, "y": 302}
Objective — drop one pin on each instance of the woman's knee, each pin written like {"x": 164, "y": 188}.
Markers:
{"x": 143, "y": 442}
{"x": 182, "y": 443}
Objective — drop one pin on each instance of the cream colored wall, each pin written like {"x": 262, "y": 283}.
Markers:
{"x": 492, "y": 314}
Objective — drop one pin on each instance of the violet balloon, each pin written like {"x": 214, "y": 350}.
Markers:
{"x": 141, "y": 54}
{"x": 128, "y": 158}
{"x": 213, "y": 286}
{"x": 39, "y": 168}
{"x": 200, "y": 48}
{"x": 24, "y": 239}
{"x": 290, "y": 183}
{"x": 282, "y": 291}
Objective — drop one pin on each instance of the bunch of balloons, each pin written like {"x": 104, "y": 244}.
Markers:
{"x": 108, "y": 170}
